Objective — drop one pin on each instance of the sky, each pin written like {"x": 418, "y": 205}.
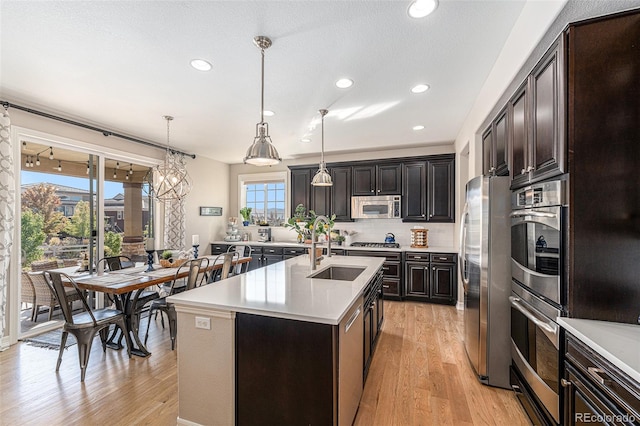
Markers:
{"x": 111, "y": 189}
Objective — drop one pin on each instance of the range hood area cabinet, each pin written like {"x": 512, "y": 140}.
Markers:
{"x": 377, "y": 179}
{"x": 425, "y": 183}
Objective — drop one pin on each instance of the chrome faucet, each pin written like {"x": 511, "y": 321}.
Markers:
{"x": 313, "y": 240}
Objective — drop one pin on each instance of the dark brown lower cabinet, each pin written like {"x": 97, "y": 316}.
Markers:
{"x": 285, "y": 372}
{"x": 431, "y": 277}
{"x": 597, "y": 392}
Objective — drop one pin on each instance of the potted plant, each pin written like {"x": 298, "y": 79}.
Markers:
{"x": 246, "y": 215}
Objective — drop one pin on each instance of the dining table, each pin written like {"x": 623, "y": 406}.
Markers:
{"x": 125, "y": 286}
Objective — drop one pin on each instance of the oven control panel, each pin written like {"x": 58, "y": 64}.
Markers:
{"x": 543, "y": 194}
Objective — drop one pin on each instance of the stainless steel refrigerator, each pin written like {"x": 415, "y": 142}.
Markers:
{"x": 485, "y": 266}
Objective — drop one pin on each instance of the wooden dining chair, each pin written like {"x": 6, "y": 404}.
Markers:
{"x": 86, "y": 324}
{"x": 197, "y": 267}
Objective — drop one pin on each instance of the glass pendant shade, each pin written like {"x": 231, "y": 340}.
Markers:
{"x": 262, "y": 152}
{"x": 322, "y": 176}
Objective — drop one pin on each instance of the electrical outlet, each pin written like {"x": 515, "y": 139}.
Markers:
{"x": 202, "y": 322}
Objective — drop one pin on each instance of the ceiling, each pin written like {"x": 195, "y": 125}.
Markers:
{"x": 122, "y": 65}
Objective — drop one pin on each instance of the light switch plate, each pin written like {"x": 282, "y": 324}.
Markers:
{"x": 203, "y": 322}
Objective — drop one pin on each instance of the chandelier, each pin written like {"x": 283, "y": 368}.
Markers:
{"x": 171, "y": 181}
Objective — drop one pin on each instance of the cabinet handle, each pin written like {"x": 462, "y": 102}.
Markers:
{"x": 434, "y": 268}
{"x": 596, "y": 374}
{"x": 378, "y": 190}
{"x": 417, "y": 257}
{"x": 372, "y": 190}
{"x": 565, "y": 383}
{"x": 522, "y": 171}
{"x": 530, "y": 169}
{"x": 385, "y": 286}
{"x": 442, "y": 258}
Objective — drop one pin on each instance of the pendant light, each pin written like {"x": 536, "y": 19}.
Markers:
{"x": 171, "y": 181}
{"x": 322, "y": 176}
{"x": 262, "y": 152}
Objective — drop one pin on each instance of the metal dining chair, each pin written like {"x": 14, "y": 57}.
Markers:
{"x": 197, "y": 267}
{"x": 222, "y": 273}
{"x": 115, "y": 263}
{"x": 86, "y": 324}
{"x": 243, "y": 250}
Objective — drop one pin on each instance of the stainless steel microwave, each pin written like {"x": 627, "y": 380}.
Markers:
{"x": 376, "y": 207}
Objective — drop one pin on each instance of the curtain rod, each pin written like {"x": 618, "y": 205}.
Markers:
{"x": 7, "y": 105}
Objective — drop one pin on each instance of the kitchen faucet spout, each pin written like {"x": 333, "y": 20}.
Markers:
{"x": 312, "y": 255}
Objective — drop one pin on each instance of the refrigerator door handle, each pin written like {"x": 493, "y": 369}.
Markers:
{"x": 462, "y": 249}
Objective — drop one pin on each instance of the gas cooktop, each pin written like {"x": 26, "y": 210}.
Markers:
{"x": 380, "y": 245}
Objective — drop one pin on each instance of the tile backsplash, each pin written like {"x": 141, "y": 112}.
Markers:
{"x": 374, "y": 230}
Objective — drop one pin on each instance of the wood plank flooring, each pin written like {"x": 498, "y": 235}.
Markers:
{"x": 419, "y": 376}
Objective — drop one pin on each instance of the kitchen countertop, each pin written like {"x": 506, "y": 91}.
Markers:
{"x": 296, "y": 244}
{"x": 619, "y": 343}
{"x": 284, "y": 290}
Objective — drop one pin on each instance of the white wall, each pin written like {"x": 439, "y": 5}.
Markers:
{"x": 210, "y": 189}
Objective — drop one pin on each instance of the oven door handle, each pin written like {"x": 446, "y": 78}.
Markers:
{"x": 550, "y": 328}
{"x": 532, "y": 214}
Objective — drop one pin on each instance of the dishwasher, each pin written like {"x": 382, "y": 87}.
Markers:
{"x": 350, "y": 373}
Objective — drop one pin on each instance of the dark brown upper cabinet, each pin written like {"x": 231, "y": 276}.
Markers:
{"x": 341, "y": 193}
{"x": 441, "y": 190}
{"x": 414, "y": 192}
{"x": 428, "y": 189}
{"x": 300, "y": 188}
{"x": 488, "y": 164}
{"x": 537, "y": 121}
{"x": 519, "y": 114}
{"x": 316, "y": 198}
{"x": 495, "y": 146}
{"x": 383, "y": 179}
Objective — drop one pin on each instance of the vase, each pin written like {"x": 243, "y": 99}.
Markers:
{"x": 245, "y": 223}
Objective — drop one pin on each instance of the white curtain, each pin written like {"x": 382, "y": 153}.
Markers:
{"x": 7, "y": 209}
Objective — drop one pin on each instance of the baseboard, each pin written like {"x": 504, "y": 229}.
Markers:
{"x": 183, "y": 422}
{"x": 5, "y": 343}
{"x": 460, "y": 306}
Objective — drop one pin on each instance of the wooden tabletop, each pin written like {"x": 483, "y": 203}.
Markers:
{"x": 130, "y": 279}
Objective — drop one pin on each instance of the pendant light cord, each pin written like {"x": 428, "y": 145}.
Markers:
{"x": 262, "y": 90}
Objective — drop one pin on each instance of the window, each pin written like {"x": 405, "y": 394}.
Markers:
{"x": 266, "y": 195}
{"x": 267, "y": 202}
{"x": 119, "y": 214}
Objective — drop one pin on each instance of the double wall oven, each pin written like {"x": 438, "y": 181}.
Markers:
{"x": 538, "y": 283}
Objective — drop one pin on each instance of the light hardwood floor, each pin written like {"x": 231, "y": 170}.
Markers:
{"x": 419, "y": 376}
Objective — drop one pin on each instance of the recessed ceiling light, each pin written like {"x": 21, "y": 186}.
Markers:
{"x": 269, "y": 113}
{"x": 305, "y": 140}
{"x": 418, "y": 127}
{"x": 201, "y": 64}
{"x": 343, "y": 83}
{"x": 422, "y": 8}
{"x": 420, "y": 88}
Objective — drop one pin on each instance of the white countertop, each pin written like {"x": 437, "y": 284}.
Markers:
{"x": 619, "y": 343}
{"x": 283, "y": 290}
{"x": 296, "y": 244}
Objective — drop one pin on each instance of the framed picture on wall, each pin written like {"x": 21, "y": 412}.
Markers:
{"x": 210, "y": 211}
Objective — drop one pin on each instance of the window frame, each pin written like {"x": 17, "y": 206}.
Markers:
{"x": 268, "y": 177}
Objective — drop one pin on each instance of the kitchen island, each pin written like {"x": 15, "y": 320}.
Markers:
{"x": 276, "y": 345}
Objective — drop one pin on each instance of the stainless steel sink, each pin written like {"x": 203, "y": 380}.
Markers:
{"x": 342, "y": 273}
